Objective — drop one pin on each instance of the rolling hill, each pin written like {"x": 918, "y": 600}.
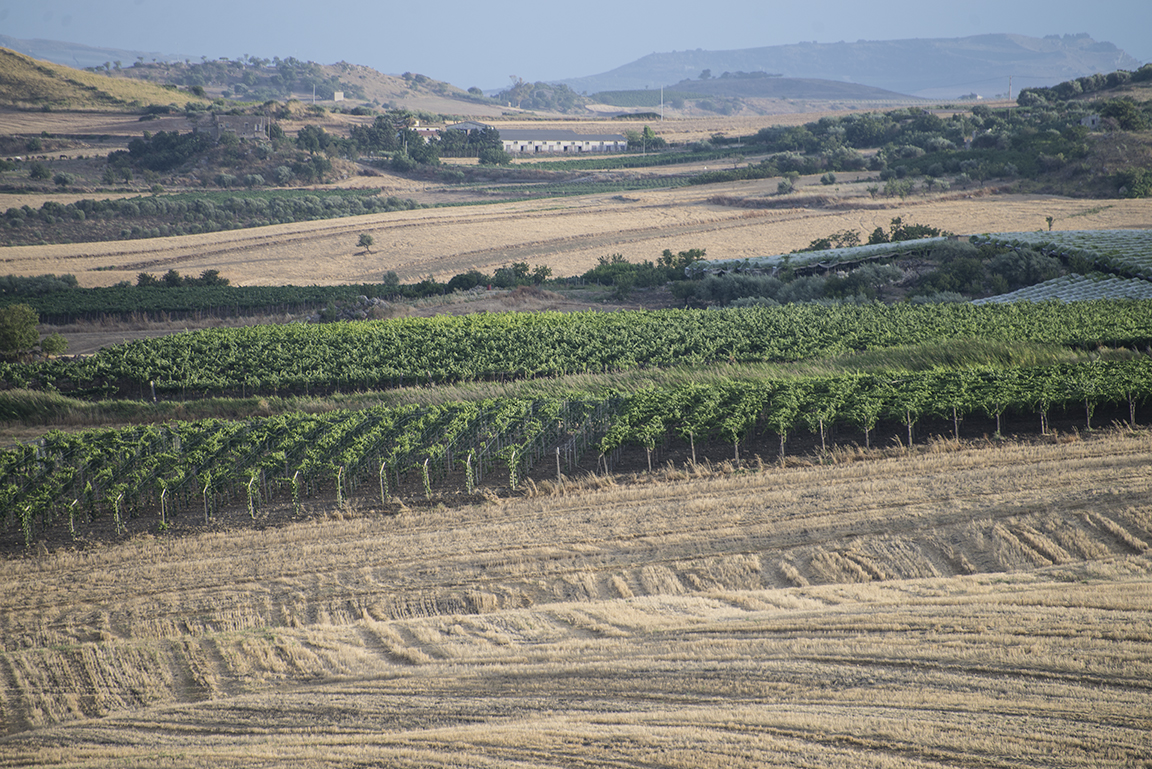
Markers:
{"x": 32, "y": 84}
{"x": 931, "y": 68}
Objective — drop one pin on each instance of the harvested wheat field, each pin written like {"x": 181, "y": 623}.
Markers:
{"x": 976, "y": 605}
{"x": 568, "y": 235}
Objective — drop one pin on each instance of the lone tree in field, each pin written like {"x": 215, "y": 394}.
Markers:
{"x": 19, "y": 337}
{"x": 366, "y": 242}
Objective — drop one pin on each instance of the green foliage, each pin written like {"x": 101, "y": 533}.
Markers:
{"x": 494, "y": 156}
{"x": 18, "y": 335}
{"x": 645, "y": 140}
{"x": 365, "y": 242}
{"x": 615, "y": 270}
{"x": 54, "y": 344}
{"x": 164, "y": 151}
{"x": 845, "y": 239}
{"x": 18, "y": 285}
{"x": 39, "y": 172}
{"x": 474, "y": 143}
{"x": 546, "y": 97}
{"x": 898, "y": 232}
{"x": 173, "y": 279}
{"x": 1134, "y": 182}
{"x": 194, "y": 212}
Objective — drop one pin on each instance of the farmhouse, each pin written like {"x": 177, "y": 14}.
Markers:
{"x": 538, "y": 140}
{"x": 244, "y": 126}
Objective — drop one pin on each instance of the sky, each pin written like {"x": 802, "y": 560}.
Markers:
{"x": 471, "y": 43}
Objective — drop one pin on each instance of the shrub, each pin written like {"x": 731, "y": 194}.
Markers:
{"x": 494, "y": 156}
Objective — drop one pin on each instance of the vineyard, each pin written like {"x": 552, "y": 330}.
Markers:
{"x": 1125, "y": 252}
{"x": 201, "y": 465}
{"x": 312, "y": 359}
{"x": 197, "y": 467}
{"x": 1077, "y": 288}
{"x": 71, "y": 304}
{"x": 826, "y": 258}
{"x": 584, "y": 187}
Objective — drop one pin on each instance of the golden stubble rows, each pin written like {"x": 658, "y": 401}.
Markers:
{"x": 568, "y": 235}
{"x": 972, "y": 605}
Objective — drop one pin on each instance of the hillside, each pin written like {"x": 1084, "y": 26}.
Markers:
{"x": 78, "y": 55}
{"x": 31, "y": 84}
{"x": 252, "y": 79}
{"x": 931, "y": 68}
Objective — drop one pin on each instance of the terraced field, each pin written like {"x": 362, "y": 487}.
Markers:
{"x": 954, "y": 607}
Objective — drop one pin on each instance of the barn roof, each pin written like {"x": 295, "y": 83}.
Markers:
{"x": 555, "y": 135}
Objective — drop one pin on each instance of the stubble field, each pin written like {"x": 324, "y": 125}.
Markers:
{"x": 974, "y": 605}
{"x": 568, "y": 235}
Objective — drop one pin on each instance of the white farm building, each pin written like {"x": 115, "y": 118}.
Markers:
{"x": 527, "y": 141}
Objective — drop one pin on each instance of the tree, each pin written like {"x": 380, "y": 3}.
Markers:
{"x": 494, "y": 156}
{"x": 54, "y": 344}
{"x": 366, "y": 242}
{"x": 18, "y": 334}
{"x": 312, "y": 138}
{"x": 39, "y": 172}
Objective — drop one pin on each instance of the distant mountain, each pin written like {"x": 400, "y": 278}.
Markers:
{"x": 80, "y": 56}
{"x": 788, "y": 88}
{"x": 931, "y": 68}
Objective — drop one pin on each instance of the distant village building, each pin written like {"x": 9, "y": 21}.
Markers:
{"x": 338, "y": 96}
{"x": 244, "y": 126}
{"x": 427, "y": 132}
{"x": 1091, "y": 121}
{"x": 522, "y": 141}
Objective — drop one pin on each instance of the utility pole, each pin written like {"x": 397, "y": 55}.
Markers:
{"x": 1009, "y": 88}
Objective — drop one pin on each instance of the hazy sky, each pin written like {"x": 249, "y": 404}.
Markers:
{"x": 469, "y": 42}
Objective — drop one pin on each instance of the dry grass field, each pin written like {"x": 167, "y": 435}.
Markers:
{"x": 972, "y": 605}
{"x": 568, "y": 235}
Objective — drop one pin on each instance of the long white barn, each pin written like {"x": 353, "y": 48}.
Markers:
{"x": 527, "y": 141}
